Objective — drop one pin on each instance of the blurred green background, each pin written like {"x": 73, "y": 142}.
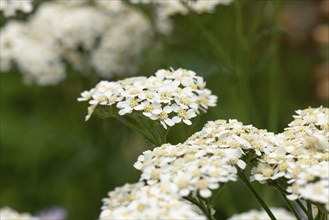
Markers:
{"x": 249, "y": 58}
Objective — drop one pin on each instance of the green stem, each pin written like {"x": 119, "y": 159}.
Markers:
{"x": 309, "y": 210}
{"x": 274, "y": 75}
{"x": 259, "y": 199}
{"x": 322, "y": 213}
{"x": 242, "y": 66}
{"x": 135, "y": 128}
{"x": 219, "y": 53}
{"x": 291, "y": 207}
{"x": 205, "y": 207}
{"x": 301, "y": 206}
{"x": 161, "y": 135}
{"x": 285, "y": 193}
{"x": 150, "y": 130}
{"x": 256, "y": 21}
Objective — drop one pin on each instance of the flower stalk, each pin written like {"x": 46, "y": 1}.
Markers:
{"x": 253, "y": 191}
{"x": 291, "y": 207}
{"x": 205, "y": 206}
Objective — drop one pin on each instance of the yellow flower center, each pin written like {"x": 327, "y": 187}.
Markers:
{"x": 148, "y": 107}
{"x": 202, "y": 184}
{"x": 163, "y": 115}
{"x": 182, "y": 183}
{"x": 185, "y": 100}
{"x": 133, "y": 103}
{"x": 165, "y": 95}
{"x": 182, "y": 114}
{"x": 268, "y": 172}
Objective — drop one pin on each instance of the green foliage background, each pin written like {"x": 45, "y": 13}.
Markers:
{"x": 51, "y": 157}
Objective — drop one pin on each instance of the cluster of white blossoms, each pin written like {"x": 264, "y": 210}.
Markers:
{"x": 39, "y": 61}
{"x": 10, "y": 7}
{"x": 168, "y": 8}
{"x": 139, "y": 201}
{"x": 206, "y": 160}
{"x": 77, "y": 33}
{"x": 301, "y": 156}
{"x": 7, "y": 213}
{"x": 253, "y": 214}
{"x": 170, "y": 97}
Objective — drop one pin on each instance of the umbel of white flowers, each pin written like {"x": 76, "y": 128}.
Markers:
{"x": 10, "y": 7}
{"x": 253, "y": 214}
{"x": 164, "y": 10}
{"x": 140, "y": 201}
{"x": 301, "y": 157}
{"x": 79, "y": 34}
{"x": 208, "y": 159}
{"x": 7, "y": 213}
{"x": 169, "y": 97}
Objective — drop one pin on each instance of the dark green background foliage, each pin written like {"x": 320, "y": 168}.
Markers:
{"x": 51, "y": 157}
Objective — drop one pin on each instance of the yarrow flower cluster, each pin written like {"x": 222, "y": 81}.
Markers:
{"x": 54, "y": 213}
{"x": 206, "y": 160}
{"x": 81, "y": 35}
{"x": 253, "y": 214}
{"x": 169, "y": 8}
{"x": 139, "y": 201}
{"x": 10, "y": 7}
{"x": 170, "y": 97}
{"x": 164, "y": 10}
{"x": 301, "y": 156}
{"x": 7, "y": 213}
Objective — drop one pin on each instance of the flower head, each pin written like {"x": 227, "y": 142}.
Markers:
{"x": 7, "y": 213}
{"x": 206, "y": 160}
{"x": 77, "y": 33}
{"x": 164, "y": 10}
{"x": 139, "y": 201}
{"x": 170, "y": 97}
{"x": 253, "y": 214}
{"x": 10, "y": 7}
{"x": 300, "y": 155}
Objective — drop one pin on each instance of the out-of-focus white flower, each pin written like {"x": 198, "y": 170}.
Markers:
{"x": 139, "y": 201}
{"x": 202, "y": 6}
{"x": 165, "y": 9}
{"x": 206, "y": 160}
{"x": 130, "y": 37}
{"x": 301, "y": 156}
{"x": 11, "y": 33}
{"x": 39, "y": 61}
{"x": 80, "y": 34}
{"x": 9, "y": 7}
{"x": 171, "y": 7}
{"x": 7, "y": 213}
{"x": 52, "y": 213}
{"x": 170, "y": 97}
{"x": 254, "y": 214}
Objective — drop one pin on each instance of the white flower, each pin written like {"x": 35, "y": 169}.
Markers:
{"x": 163, "y": 116}
{"x": 78, "y": 33}
{"x": 202, "y": 6}
{"x": 7, "y": 213}
{"x": 169, "y": 8}
{"x": 253, "y": 214}
{"x": 9, "y": 7}
{"x": 300, "y": 155}
{"x": 127, "y": 106}
{"x": 165, "y": 9}
{"x": 207, "y": 159}
{"x": 317, "y": 192}
{"x": 170, "y": 97}
{"x": 138, "y": 201}
{"x": 183, "y": 115}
